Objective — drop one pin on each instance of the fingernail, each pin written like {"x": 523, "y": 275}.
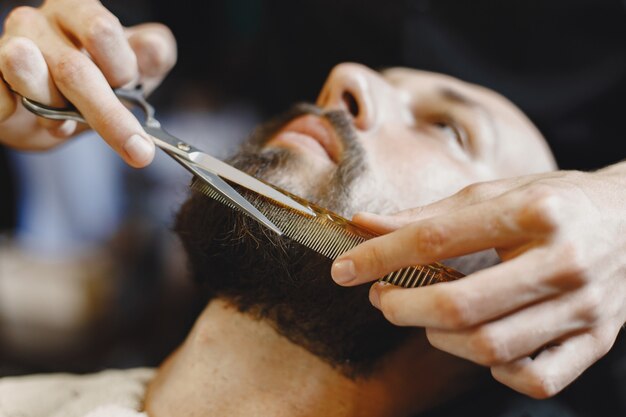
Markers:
{"x": 139, "y": 149}
{"x": 343, "y": 271}
{"x": 374, "y": 296}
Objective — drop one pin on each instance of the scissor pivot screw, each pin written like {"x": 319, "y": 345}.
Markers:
{"x": 183, "y": 146}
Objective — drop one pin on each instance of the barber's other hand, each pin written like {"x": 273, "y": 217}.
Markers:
{"x": 77, "y": 50}
{"x": 554, "y": 305}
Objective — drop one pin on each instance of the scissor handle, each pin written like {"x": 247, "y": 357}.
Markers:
{"x": 54, "y": 113}
{"x": 198, "y": 162}
{"x": 134, "y": 96}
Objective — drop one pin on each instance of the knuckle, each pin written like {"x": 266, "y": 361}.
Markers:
{"x": 478, "y": 191}
{"x": 543, "y": 207}
{"x": 538, "y": 190}
{"x": 542, "y": 385}
{"x": 430, "y": 239}
{"x": 153, "y": 58}
{"x": 69, "y": 69}
{"x": 345, "y": 69}
{"x": 575, "y": 268}
{"x": 453, "y": 309}
{"x": 17, "y": 54}
{"x": 20, "y": 16}
{"x": 488, "y": 348}
{"x": 376, "y": 259}
{"x": 469, "y": 191}
{"x": 592, "y": 306}
{"x": 102, "y": 28}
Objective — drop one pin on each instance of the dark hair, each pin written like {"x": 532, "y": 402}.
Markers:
{"x": 276, "y": 279}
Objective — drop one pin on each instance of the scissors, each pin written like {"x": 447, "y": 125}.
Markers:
{"x": 211, "y": 170}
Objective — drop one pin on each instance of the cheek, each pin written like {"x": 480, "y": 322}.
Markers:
{"x": 395, "y": 152}
{"x": 417, "y": 170}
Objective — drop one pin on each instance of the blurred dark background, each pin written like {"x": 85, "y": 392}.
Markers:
{"x": 562, "y": 62}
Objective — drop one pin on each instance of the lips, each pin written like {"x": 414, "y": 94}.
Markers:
{"x": 311, "y": 134}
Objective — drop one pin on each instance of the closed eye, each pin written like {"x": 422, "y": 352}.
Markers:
{"x": 451, "y": 130}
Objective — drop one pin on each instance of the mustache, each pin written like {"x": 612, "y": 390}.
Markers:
{"x": 274, "y": 164}
{"x": 339, "y": 120}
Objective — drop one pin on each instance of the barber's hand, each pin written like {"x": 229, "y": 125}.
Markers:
{"x": 554, "y": 305}
{"x": 77, "y": 50}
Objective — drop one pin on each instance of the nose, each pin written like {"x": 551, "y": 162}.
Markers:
{"x": 361, "y": 92}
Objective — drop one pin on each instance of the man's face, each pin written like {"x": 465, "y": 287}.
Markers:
{"x": 414, "y": 137}
{"x": 373, "y": 142}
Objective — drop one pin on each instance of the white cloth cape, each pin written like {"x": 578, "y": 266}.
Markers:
{"x": 111, "y": 393}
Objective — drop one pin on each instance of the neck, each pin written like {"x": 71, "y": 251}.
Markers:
{"x": 232, "y": 364}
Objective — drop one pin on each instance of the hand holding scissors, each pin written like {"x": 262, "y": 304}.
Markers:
{"x": 75, "y": 50}
{"x": 209, "y": 169}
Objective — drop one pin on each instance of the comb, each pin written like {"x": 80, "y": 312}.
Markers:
{"x": 329, "y": 234}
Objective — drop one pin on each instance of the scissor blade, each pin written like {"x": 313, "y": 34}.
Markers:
{"x": 205, "y": 161}
{"x": 233, "y": 174}
{"x": 229, "y": 193}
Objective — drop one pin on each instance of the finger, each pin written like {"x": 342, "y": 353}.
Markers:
{"x": 387, "y": 223}
{"x": 475, "y": 228}
{"x": 24, "y": 68}
{"x": 472, "y": 194}
{"x": 102, "y": 35}
{"x": 7, "y": 101}
{"x": 383, "y": 224}
{"x": 477, "y": 298}
{"x": 556, "y": 367}
{"x": 19, "y": 132}
{"x": 524, "y": 332}
{"x": 82, "y": 83}
{"x": 101, "y": 108}
{"x": 155, "y": 48}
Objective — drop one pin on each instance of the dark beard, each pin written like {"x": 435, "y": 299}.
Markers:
{"x": 232, "y": 257}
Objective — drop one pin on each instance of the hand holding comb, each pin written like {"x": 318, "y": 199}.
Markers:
{"x": 330, "y": 234}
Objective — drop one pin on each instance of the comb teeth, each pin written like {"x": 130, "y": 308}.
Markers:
{"x": 329, "y": 235}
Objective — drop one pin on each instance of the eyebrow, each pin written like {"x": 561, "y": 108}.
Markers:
{"x": 456, "y": 97}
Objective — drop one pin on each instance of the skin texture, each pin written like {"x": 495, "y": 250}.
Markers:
{"x": 415, "y": 144}
{"x": 420, "y": 144}
{"x": 216, "y": 372}
{"x": 543, "y": 316}
{"x": 45, "y": 56}
{"x": 566, "y": 228}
